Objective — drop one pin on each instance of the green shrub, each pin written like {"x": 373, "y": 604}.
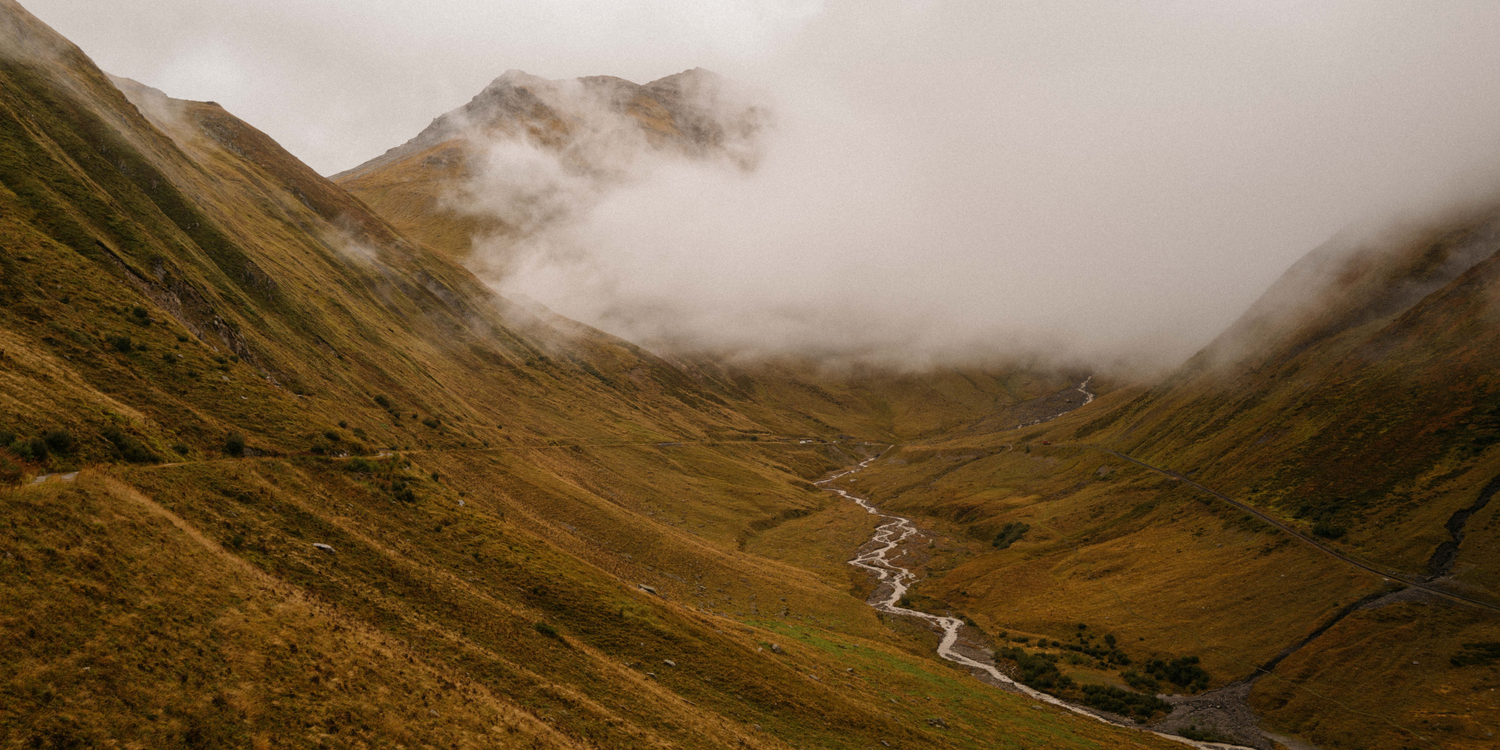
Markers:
{"x": 37, "y": 447}
{"x": 234, "y": 444}
{"x": 432, "y": 422}
{"x": 60, "y": 441}
{"x": 1124, "y": 702}
{"x": 1011, "y": 534}
{"x": 547, "y": 630}
{"x": 361, "y": 466}
{"x": 1037, "y": 670}
{"x": 1476, "y": 654}
{"x": 1328, "y": 530}
{"x": 1183, "y": 672}
{"x": 128, "y": 448}
{"x": 1141, "y": 682}
{"x": 121, "y": 344}
{"x": 1204, "y": 734}
{"x": 385, "y": 403}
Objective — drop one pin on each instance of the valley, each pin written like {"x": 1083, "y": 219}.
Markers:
{"x": 281, "y": 467}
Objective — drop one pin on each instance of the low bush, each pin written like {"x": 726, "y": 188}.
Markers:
{"x": 1476, "y": 655}
{"x": 128, "y": 448}
{"x": 60, "y": 441}
{"x": 234, "y": 444}
{"x": 1011, "y": 534}
{"x": 1141, "y": 682}
{"x": 1123, "y": 702}
{"x": 1037, "y": 670}
{"x": 1328, "y": 530}
{"x": 1183, "y": 672}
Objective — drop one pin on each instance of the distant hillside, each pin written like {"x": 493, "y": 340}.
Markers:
{"x": 1361, "y": 392}
{"x": 596, "y": 126}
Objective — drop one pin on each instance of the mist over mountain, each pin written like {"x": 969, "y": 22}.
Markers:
{"x": 944, "y": 180}
{"x": 894, "y": 449}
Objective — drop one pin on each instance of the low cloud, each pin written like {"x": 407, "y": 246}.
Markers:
{"x": 946, "y": 181}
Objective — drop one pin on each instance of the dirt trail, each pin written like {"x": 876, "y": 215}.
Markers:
{"x": 53, "y": 479}
{"x": 1305, "y": 539}
{"x": 896, "y": 580}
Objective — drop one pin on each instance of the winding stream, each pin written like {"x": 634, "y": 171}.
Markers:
{"x": 896, "y": 580}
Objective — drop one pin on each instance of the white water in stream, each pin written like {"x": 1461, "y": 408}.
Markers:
{"x": 888, "y": 537}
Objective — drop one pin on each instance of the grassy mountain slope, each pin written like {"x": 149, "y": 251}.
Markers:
{"x": 1368, "y": 414}
{"x": 246, "y": 363}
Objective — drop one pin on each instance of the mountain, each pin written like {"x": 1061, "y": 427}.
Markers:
{"x": 1349, "y": 597}
{"x": 304, "y": 479}
{"x": 1359, "y": 393}
{"x": 598, "y": 128}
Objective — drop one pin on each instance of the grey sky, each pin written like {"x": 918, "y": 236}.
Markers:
{"x": 1117, "y": 174}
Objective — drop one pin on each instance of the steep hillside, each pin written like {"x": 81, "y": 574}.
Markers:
{"x": 1360, "y": 398}
{"x": 303, "y": 480}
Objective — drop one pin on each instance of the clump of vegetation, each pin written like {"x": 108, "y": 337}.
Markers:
{"x": 1204, "y": 734}
{"x": 60, "y": 441}
{"x": 1011, "y": 534}
{"x": 432, "y": 422}
{"x": 1183, "y": 672}
{"x": 121, "y": 344}
{"x": 1037, "y": 670}
{"x": 1328, "y": 530}
{"x": 1086, "y": 645}
{"x": 1141, "y": 682}
{"x": 234, "y": 444}
{"x": 128, "y": 448}
{"x": 1040, "y": 671}
{"x": 140, "y": 315}
{"x": 402, "y": 491}
{"x": 1480, "y": 654}
{"x": 547, "y": 630}
{"x": 1124, "y": 702}
{"x": 10, "y": 471}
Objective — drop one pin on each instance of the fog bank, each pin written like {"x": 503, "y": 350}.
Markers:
{"x": 945, "y": 180}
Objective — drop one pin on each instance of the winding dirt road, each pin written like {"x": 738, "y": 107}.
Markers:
{"x": 896, "y": 580}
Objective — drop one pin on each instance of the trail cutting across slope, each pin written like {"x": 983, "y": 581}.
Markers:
{"x": 895, "y": 580}
{"x": 1308, "y": 540}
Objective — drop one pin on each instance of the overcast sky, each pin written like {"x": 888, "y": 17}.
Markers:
{"x": 1126, "y": 174}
